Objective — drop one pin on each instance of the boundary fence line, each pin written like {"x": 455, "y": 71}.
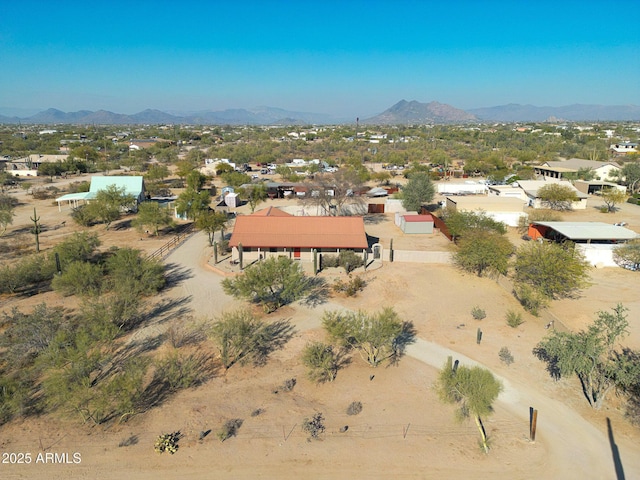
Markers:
{"x": 174, "y": 243}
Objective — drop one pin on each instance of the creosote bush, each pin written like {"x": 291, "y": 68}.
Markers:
{"x": 314, "y": 426}
{"x": 505, "y": 356}
{"x": 354, "y": 408}
{"x": 514, "y": 319}
{"x": 229, "y": 429}
{"x": 351, "y": 287}
{"x": 478, "y": 313}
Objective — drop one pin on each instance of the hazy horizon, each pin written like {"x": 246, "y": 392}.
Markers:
{"x": 344, "y": 59}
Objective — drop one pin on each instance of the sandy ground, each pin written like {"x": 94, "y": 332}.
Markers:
{"x": 403, "y": 430}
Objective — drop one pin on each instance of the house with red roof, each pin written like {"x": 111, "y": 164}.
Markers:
{"x": 271, "y": 231}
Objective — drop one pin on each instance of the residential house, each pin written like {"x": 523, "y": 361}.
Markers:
{"x": 601, "y": 170}
{"x": 131, "y": 185}
{"x": 273, "y": 232}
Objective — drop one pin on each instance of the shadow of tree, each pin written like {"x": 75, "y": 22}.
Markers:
{"x": 317, "y": 292}
{"x": 401, "y": 342}
{"x": 175, "y": 274}
{"x": 276, "y": 335}
{"x": 167, "y": 309}
{"x": 552, "y": 362}
{"x": 374, "y": 219}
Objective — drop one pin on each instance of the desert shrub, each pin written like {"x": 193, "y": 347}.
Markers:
{"x": 181, "y": 334}
{"x": 349, "y": 260}
{"x": 351, "y": 287}
{"x": 83, "y": 216}
{"x": 229, "y": 429}
{"x": 167, "y": 442}
{"x": 288, "y": 385}
{"x": 78, "y": 278}
{"x": 531, "y": 299}
{"x": 478, "y": 313}
{"x": 330, "y": 261}
{"x": 321, "y": 361}
{"x": 314, "y": 426}
{"x": 257, "y": 411}
{"x": 77, "y": 187}
{"x": 354, "y": 408}
{"x": 514, "y": 319}
{"x": 179, "y": 371}
{"x": 505, "y": 356}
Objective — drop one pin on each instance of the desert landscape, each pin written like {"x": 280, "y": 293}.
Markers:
{"x": 403, "y": 431}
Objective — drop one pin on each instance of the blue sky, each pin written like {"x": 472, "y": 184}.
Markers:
{"x": 348, "y": 58}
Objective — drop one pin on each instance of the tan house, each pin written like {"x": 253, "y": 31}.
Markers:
{"x": 271, "y": 231}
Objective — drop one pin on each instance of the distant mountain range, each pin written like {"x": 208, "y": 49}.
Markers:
{"x": 403, "y": 112}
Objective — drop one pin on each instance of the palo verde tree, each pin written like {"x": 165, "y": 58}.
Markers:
{"x": 256, "y": 194}
{"x": 272, "y": 283}
{"x": 612, "y": 197}
{"x": 322, "y": 361}
{"x": 483, "y": 252}
{"x": 418, "y": 191}
{"x": 109, "y": 204}
{"x": 152, "y": 216}
{"x": 211, "y": 221}
{"x": 473, "y": 389}
{"x": 551, "y": 269}
{"x": 557, "y": 197}
{"x": 376, "y": 337}
{"x": 459, "y": 223}
{"x": 240, "y": 338}
{"x": 594, "y": 355}
{"x": 192, "y": 203}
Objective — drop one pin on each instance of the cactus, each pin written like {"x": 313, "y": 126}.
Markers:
{"x": 36, "y": 228}
{"x": 240, "y": 251}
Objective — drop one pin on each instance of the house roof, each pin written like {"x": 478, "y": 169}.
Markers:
{"x": 133, "y": 185}
{"x": 575, "y": 164}
{"x": 590, "y": 230}
{"x": 276, "y": 231}
{"x": 271, "y": 212}
{"x": 418, "y": 218}
{"x": 531, "y": 187}
{"x": 490, "y": 203}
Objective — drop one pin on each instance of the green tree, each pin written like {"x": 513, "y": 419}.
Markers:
{"x": 78, "y": 278}
{"x": 459, "y": 223}
{"x": 7, "y": 205}
{"x": 627, "y": 255}
{"x": 157, "y": 172}
{"x": 110, "y": 203}
{"x": 418, "y": 191}
{"x": 184, "y": 168}
{"x": 196, "y": 180}
{"x": 557, "y": 197}
{"x": 612, "y": 197}
{"x": 210, "y": 222}
{"x": 272, "y": 283}
{"x": 129, "y": 270}
{"x": 256, "y": 194}
{"x": 240, "y": 338}
{"x": 192, "y": 204}
{"x": 630, "y": 173}
{"x": 554, "y": 270}
{"x": 473, "y": 389}
{"x": 153, "y": 216}
{"x": 537, "y": 215}
{"x": 78, "y": 247}
{"x": 483, "y": 251}
{"x": 50, "y": 169}
{"x": 376, "y": 337}
{"x": 594, "y": 355}
{"x": 322, "y": 362}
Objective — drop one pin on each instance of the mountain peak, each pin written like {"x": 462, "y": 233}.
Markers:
{"x": 415, "y": 112}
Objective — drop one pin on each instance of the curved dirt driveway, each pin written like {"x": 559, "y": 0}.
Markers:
{"x": 578, "y": 449}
